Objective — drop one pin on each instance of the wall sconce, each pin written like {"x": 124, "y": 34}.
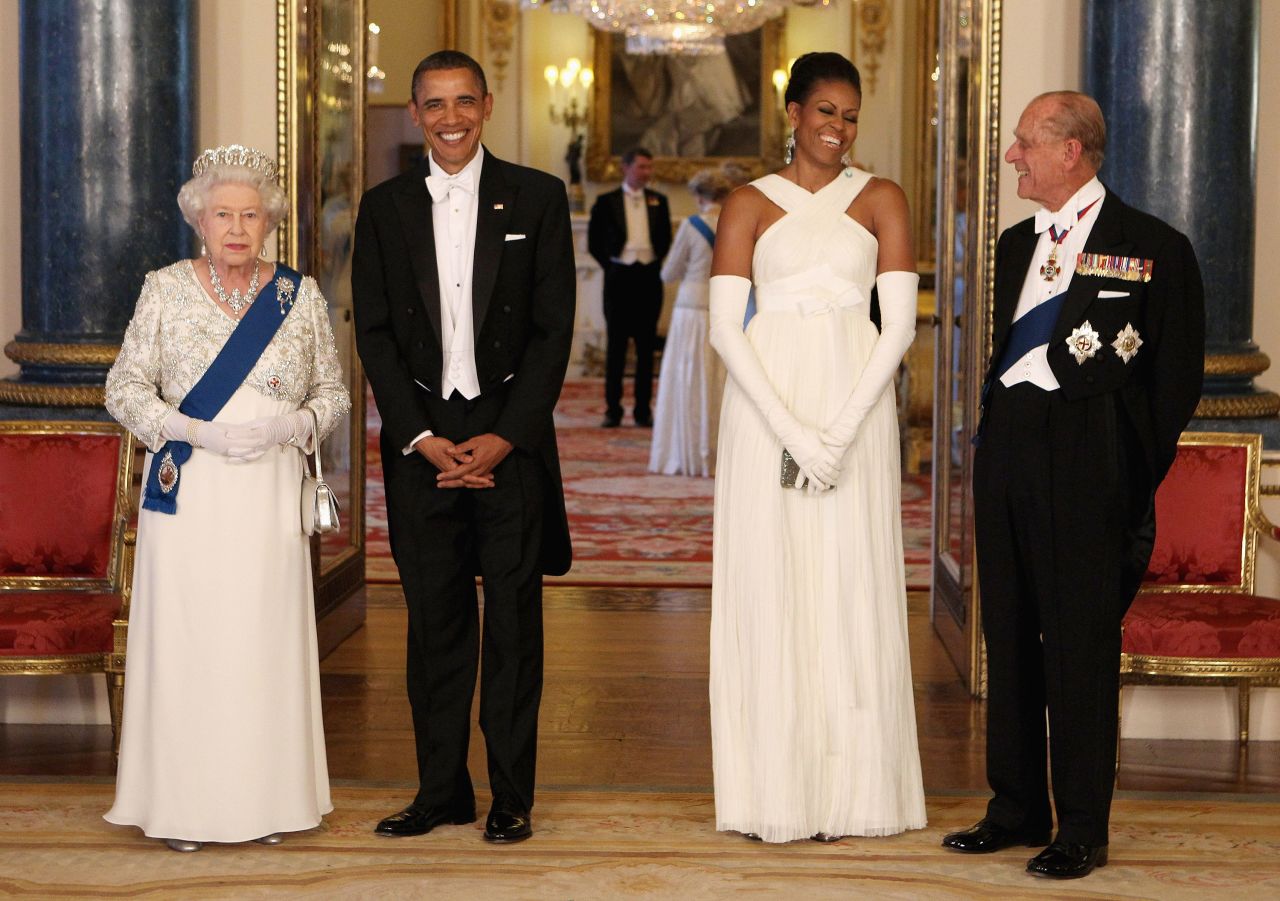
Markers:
{"x": 570, "y": 87}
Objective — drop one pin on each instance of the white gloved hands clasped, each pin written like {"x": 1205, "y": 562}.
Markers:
{"x": 212, "y": 436}
{"x": 252, "y": 439}
{"x": 818, "y": 463}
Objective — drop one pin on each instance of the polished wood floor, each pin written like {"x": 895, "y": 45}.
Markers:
{"x": 625, "y": 706}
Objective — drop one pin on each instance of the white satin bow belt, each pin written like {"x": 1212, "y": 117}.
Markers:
{"x": 810, "y": 294}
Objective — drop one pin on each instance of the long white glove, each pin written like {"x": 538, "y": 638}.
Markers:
{"x": 212, "y": 436}
{"x": 897, "y": 291}
{"x": 728, "y": 304}
{"x": 254, "y": 438}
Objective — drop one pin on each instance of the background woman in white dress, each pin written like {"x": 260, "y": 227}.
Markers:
{"x": 222, "y": 737}
{"x": 692, "y": 377}
{"x": 813, "y": 722}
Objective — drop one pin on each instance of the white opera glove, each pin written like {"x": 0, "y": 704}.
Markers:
{"x": 897, "y": 292}
{"x": 212, "y": 436}
{"x": 254, "y": 438}
{"x": 728, "y": 304}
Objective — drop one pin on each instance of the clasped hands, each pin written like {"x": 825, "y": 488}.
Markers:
{"x": 820, "y": 453}
{"x": 467, "y": 464}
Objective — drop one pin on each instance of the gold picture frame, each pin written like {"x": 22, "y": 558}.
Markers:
{"x": 603, "y": 151}
{"x": 320, "y": 104}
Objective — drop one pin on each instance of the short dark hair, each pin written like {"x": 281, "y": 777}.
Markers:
{"x": 447, "y": 59}
{"x": 630, "y": 156}
{"x": 812, "y": 68}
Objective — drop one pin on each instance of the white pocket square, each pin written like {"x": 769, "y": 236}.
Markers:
{"x": 1103, "y": 295}
{"x": 514, "y": 238}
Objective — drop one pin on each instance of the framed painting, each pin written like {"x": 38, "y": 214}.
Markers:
{"x": 690, "y": 112}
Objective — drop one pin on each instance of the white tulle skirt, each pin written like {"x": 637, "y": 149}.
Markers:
{"x": 813, "y": 722}
{"x": 690, "y": 387}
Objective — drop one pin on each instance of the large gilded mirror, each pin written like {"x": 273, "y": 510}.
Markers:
{"x": 969, "y": 85}
{"x": 321, "y": 126}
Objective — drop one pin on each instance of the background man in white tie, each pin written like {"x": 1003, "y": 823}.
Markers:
{"x": 1097, "y": 367}
{"x": 628, "y": 235}
{"x": 463, "y": 286}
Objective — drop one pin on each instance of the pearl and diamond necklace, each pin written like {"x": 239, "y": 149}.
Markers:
{"x": 236, "y": 301}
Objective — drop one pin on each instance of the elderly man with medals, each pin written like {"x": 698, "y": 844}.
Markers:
{"x": 1097, "y": 368}
{"x": 222, "y": 737}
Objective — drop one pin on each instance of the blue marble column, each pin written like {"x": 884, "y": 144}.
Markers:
{"x": 108, "y": 96}
{"x": 1177, "y": 81}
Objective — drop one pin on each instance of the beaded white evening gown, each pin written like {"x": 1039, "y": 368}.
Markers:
{"x": 223, "y": 739}
{"x": 691, "y": 381}
{"x": 812, "y": 717}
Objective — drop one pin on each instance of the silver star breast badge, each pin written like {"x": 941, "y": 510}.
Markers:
{"x": 1083, "y": 342}
{"x": 1127, "y": 342}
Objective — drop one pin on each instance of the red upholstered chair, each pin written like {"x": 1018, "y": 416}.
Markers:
{"x": 66, "y": 550}
{"x": 1197, "y": 618}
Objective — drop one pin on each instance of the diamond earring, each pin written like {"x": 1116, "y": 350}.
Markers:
{"x": 789, "y": 151}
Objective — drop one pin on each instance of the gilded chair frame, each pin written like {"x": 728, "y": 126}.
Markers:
{"x": 1153, "y": 669}
{"x": 119, "y": 578}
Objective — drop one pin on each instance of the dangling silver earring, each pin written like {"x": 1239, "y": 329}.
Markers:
{"x": 204, "y": 251}
{"x": 790, "y": 150}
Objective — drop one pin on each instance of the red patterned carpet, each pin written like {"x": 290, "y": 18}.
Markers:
{"x": 629, "y": 527}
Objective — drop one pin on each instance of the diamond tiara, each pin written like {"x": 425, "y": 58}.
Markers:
{"x": 235, "y": 155}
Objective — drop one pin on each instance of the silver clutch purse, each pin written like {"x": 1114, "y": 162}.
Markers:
{"x": 319, "y": 506}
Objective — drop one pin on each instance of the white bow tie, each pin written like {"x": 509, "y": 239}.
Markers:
{"x": 1061, "y": 221}
{"x": 440, "y": 185}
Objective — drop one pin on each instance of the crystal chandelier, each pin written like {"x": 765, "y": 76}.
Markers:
{"x": 686, "y": 27}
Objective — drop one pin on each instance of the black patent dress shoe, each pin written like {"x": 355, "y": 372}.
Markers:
{"x": 420, "y": 819}
{"x": 506, "y": 825}
{"x": 986, "y": 836}
{"x": 611, "y": 421}
{"x": 644, "y": 421}
{"x": 1068, "y": 860}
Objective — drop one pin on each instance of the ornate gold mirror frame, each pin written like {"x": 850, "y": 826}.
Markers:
{"x": 969, "y": 107}
{"x": 605, "y": 165}
{"x": 320, "y": 103}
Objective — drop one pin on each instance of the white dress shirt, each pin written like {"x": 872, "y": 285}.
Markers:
{"x": 1034, "y": 365}
{"x": 638, "y": 249}
{"x": 453, "y": 219}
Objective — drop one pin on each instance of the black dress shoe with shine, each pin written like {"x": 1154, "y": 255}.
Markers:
{"x": 506, "y": 825}
{"x": 1068, "y": 860}
{"x": 986, "y": 837}
{"x": 420, "y": 819}
{"x": 645, "y": 421}
{"x": 611, "y": 421}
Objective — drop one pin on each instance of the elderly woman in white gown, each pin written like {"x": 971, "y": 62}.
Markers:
{"x": 691, "y": 381}
{"x": 227, "y": 371}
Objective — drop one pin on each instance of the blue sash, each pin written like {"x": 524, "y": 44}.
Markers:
{"x": 703, "y": 229}
{"x": 225, "y": 374}
{"x": 1030, "y": 331}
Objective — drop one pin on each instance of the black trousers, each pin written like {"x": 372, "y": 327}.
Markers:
{"x": 441, "y": 538}
{"x": 632, "y": 304}
{"x": 1059, "y": 488}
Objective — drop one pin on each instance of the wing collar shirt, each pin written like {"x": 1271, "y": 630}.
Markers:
{"x": 453, "y": 219}
{"x": 638, "y": 249}
{"x": 1034, "y": 365}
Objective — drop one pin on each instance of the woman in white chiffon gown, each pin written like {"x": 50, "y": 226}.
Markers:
{"x": 222, "y": 737}
{"x": 691, "y": 382}
{"x": 812, "y": 717}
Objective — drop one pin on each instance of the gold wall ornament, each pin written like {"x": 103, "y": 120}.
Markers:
{"x": 1246, "y": 406}
{"x": 40, "y": 352}
{"x": 873, "y": 20}
{"x": 29, "y": 394}
{"x": 499, "y": 30}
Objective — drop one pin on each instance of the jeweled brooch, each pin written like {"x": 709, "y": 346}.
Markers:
{"x": 168, "y": 473}
{"x": 1127, "y": 342}
{"x": 1083, "y": 342}
{"x": 284, "y": 291}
